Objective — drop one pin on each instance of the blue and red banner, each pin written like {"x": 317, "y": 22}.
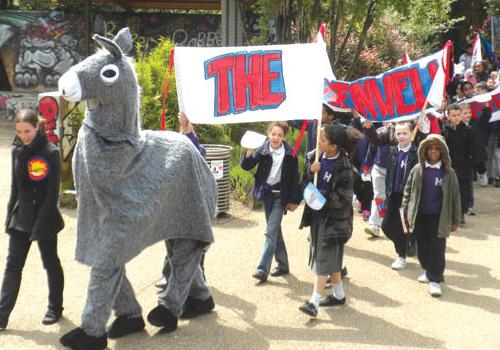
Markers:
{"x": 397, "y": 94}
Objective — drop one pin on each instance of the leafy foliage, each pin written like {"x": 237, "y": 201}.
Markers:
{"x": 355, "y": 29}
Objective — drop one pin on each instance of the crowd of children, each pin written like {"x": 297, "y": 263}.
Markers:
{"x": 414, "y": 187}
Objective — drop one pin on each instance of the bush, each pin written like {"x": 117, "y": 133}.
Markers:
{"x": 151, "y": 68}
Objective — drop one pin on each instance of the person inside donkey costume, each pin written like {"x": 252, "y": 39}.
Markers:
{"x": 134, "y": 188}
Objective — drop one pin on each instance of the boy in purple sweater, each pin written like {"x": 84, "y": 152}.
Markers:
{"x": 431, "y": 202}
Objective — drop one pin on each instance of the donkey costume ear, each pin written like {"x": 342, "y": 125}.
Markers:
{"x": 109, "y": 45}
{"x": 124, "y": 40}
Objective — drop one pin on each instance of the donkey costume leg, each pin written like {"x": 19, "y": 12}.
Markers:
{"x": 186, "y": 287}
{"x": 108, "y": 289}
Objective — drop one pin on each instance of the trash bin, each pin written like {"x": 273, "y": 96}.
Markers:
{"x": 219, "y": 159}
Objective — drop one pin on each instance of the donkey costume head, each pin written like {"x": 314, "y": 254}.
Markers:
{"x": 108, "y": 82}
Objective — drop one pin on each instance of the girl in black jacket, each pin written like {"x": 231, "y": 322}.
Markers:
{"x": 331, "y": 226}
{"x": 33, "y": 214}
{"x": 277, "y": 184}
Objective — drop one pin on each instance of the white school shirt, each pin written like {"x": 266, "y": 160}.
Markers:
{"x": 435, "y": 166}
{"x": 275, "y": 173}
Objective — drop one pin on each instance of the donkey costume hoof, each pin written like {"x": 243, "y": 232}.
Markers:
{"x": 77, "y": 339}
{"x": 197, "y": 307}
{"x": 160, "y": 316}
{"x": 124, "y": 325}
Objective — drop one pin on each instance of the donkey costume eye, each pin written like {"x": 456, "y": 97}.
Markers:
{"x": 109, "y": 74}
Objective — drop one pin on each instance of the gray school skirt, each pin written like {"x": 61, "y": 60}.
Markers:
{"x": 323, "y": 260}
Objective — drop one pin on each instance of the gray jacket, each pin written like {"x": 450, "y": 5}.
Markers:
{"x": 451, "y": 208}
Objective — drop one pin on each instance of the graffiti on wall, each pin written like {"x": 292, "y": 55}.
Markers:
{"x": 46, "y": 44}
{"x": 10, "y": 103}
{"x": 48, "y": 108}
{"x": 147, "y": 28}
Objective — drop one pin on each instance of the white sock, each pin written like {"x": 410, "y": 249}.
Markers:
{"x": 315, "y": 298}
{"x": 338, "y": 290}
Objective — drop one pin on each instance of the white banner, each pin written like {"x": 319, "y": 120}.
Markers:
{"x": 251, "y": 83}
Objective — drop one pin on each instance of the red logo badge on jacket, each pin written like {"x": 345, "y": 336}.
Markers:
{"x": 38, "y": 169}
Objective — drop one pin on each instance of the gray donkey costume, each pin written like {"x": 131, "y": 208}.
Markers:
{"x": 134, "y": 188}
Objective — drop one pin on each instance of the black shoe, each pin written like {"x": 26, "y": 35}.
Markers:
{"x": 343, "y": 272}
{"x": 124, "y": 325}
{"x": 260, "y": 275}
{"x": 3, "y": 324}
{"x": 160, "y": 316}
{"x": 77, "y": 339}
{"x": 279, "y": 271}
{"x": 197, "y": 307}
{"x": 51, "y": 317}
{"x": 309, "y": 309}
{"x": 331, "y": 301}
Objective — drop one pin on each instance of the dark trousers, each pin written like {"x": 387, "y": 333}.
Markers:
{"x": 465, "y": 193}
{"x": 364, "y": 192}
{"x": 431, "y": 248}
{"x": 392, "y": 226}
{"x": 19, "y": 246}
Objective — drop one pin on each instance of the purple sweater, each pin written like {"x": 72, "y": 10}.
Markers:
{"x": 432, "y": 191}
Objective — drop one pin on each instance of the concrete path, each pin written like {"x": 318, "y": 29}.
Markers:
{"x": 385, "y": 309}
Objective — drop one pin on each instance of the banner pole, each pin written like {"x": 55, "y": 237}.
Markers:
{"x": 316, "y": 158}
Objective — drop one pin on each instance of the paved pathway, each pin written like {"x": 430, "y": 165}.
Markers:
{"x": 385, "y": 309}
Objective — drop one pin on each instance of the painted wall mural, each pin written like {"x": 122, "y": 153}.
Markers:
{"x": 10, "y": 102}
{"x": 147, "y": 28}
{"x": 36, "y": 48}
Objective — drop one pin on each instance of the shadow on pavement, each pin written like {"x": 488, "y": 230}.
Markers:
{"x": 49, "y": 338}
{"x": 354, "y": 326}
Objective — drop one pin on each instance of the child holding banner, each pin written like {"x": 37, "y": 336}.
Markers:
{"x": 331, "y": 226}
{"x": 402, "y": 158}
{"x": 431, "y": 202}
{"x": 277, "y": 184}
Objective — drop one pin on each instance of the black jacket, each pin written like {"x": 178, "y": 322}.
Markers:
{"x": 339, "y": 217}
{"x": 411, "y": 161}
{"x": 290, "y": 189}
{"x": 34, "y": 195}
{"x": 460, "y": 142}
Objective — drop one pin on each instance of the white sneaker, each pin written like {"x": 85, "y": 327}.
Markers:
{"x": 372, "y": 230}
{"x": 399, "y": 264}
{"x": 423, "y": 278}
{"x": 482, "y": 179}
{"x": 435, "y": 289}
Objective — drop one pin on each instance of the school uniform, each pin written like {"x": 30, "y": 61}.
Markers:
{"x": 432, "y": 203}
{"x": 331, "y": 226}
{"x": 461, "y": 145}
{"x": 276, "y": 183}
{"x": 400, "y": 162}
{"x": 33, "y": 215}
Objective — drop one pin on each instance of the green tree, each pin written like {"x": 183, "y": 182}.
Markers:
{"x": 354, "y": 24}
